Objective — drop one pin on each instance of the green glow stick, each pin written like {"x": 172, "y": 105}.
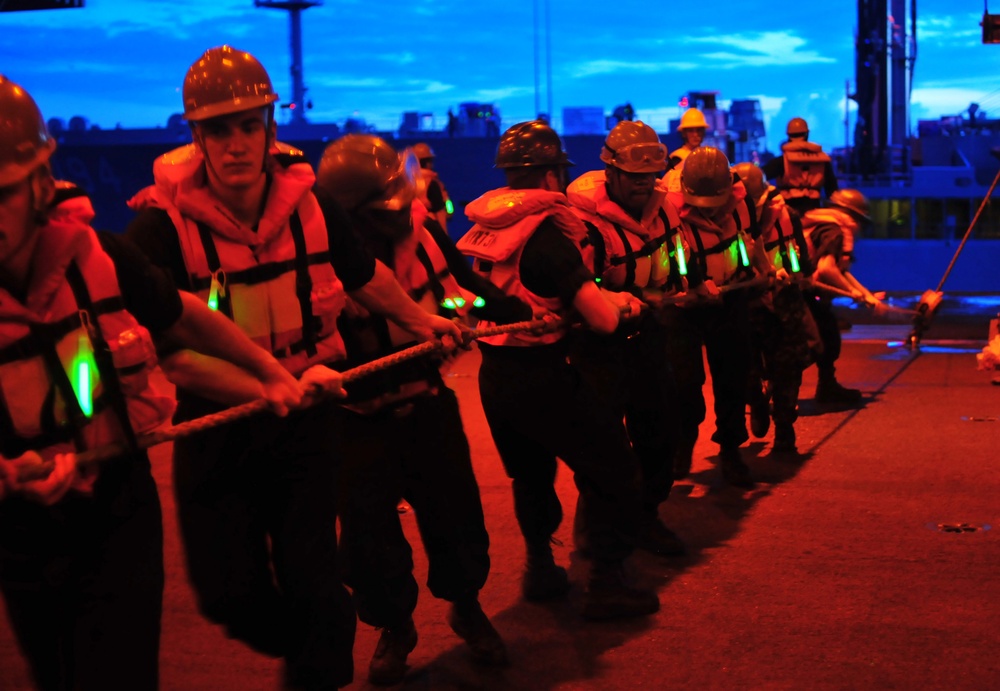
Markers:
{"x": 793, "y": 258}
{"x": 744, "y": 259}
{"x": 679, "y": 253}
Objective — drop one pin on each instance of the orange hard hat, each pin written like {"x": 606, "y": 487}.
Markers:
{"x": 25, "y": 142}
{"x": 706, "y": 179}
{"x": 225, "y": 81}
{"x": 635, "y": 148}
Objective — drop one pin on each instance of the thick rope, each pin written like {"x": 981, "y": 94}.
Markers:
{"x": 185, "y": 429}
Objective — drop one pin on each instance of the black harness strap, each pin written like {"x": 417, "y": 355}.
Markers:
{"x": 628, "y": 259}
{"x": 433, "y": 278}
{"x": 595, "y": 238}
{"x": 214, "y": 265}
{"x": 303, "y": 285}
{"x": 102, "y": 355}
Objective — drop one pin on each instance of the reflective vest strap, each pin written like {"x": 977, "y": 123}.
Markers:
{"x": 629, "y": 259}
{"x": 212, "y": 257}
{"x": 102, "y": 356}
{"x": 303, "y": 285}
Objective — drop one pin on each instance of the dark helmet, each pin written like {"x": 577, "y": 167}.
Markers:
{"x": 635, "y": 148}
{"x": 25, "y": 143}
{"x": 531, "y": 144}
{"x": 753, "y": 179}
{"x": 705, "y": 178}
{"x": 362, "y": 170}
{"x": 225, "y": 81}
{"x": 852, "y": 201}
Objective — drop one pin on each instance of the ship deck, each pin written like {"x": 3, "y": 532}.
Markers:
{"x": 868, "y": 562}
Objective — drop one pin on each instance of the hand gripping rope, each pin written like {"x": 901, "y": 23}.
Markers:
{"x": 92, "y": 457}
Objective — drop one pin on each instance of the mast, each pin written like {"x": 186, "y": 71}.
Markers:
{"x": 294, "y": 8}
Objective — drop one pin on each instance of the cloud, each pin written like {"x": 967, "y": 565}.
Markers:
{"x": 493, "y": 95}
{"x": 963, "y": 29}
{"x": 406, "y": 58}
{"x": 597, "y": 67}
{"x": 937, "y": 101}
{"x": 761, "y": 49}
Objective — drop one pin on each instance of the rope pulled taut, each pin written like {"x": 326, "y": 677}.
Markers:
{"x": 184, "y": 429}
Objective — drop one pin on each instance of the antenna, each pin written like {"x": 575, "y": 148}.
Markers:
{"x": 294, "y": 8}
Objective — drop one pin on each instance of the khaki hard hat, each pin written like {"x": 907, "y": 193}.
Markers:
{"x": 692, "y": 118}
{"x": 364, "y": 171}
{"x": 25, "y": 142}
{"x": 635, "y": 148}
{"x": 224, "y": 81}
{"x": 706, "y": 180}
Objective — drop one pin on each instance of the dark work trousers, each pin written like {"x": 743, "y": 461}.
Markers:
{"x": 539, "y": 408}
{"x": 781, "y": 351}
{"x": 418, "y": 452}
{"x": 829, "y": 333}
{"x": 83, "y": 582}
{"x": 260, "y": 494}
{"x": 723, "y": 330}
{"x": 629, "y": 372}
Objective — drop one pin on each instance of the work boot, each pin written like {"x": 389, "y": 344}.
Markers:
{"x": 468, "y": 620}
{"x": 734, "y": 470}
{"x": 829, "y": 390}
{"x": 760, "y": 412}
{"x": 543, "y": 578}
{"x": 610, "y": 597}
{"x": 658, "y": 539}
{"x": 388, "y": 665}
{"x": 784, "y": 440}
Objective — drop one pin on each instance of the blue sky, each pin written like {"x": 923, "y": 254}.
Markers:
{"x": 120, "y": 62}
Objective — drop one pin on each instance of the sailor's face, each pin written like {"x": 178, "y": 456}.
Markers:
{"x": 631, "y": 191}
{"x": 235, "y": 146}
{"x": 693, "y": 136}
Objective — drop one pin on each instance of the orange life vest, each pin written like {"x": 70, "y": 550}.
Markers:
{"x": 805, "y": 168}
{"x": 776, "y": 232}
{"x": 714, "y": 243}
{"x": 504, "y": 221}
{"x": 74, "y": 364}
{"x": 276, "y": 283}
{"x": 635, "y": 253}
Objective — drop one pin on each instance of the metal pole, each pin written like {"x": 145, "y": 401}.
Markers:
{"x": 298, "y": 88}
{"x": 548, "y": 58}
{"x": 538, "y": 106}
